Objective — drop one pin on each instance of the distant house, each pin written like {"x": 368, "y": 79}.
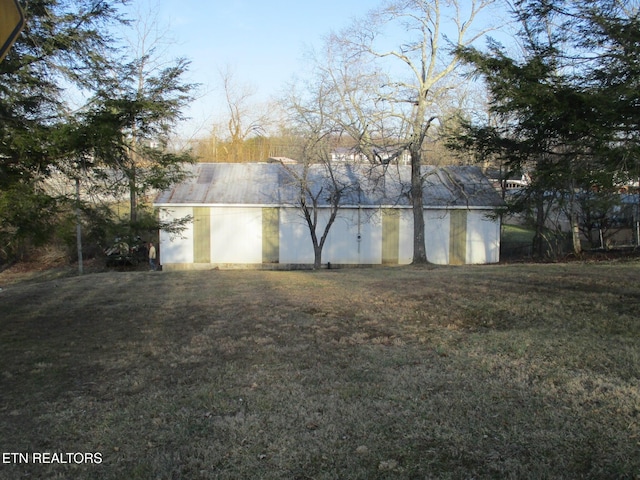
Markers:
{"x": 247, "y": 215}
{"x": 351, "y": 155}
{"x": 344, "y": 154}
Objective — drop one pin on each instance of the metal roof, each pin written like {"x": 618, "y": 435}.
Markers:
{"x": 274, "y": 184}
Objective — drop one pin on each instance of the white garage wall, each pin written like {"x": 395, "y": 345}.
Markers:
{"x": 436, "y": 234}
{"x": 483, "y": 238}
{"x": 236, "y": 235}
{"x": 295, "y": 241}
{"x": 342, "y": 244}
{"x": 176, "y": 248}
{"x": 405, "y": 255}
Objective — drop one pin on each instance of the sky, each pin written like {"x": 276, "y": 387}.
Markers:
{"x": 263, "y": 42}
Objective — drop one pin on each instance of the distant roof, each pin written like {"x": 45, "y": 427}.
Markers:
{"x": 281, "y": 160}
{"x": 274, "y": 184}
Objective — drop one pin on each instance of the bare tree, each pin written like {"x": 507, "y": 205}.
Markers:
{"x": 245, "y": 118}
{"x": 319, "y": 183}
{"x": 320, "y": 186}
{"x": 386, "y": 97}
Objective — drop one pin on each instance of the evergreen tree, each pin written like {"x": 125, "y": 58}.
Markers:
{"x": 62, "y": 46}
{"x": 615, "y": 79}
{"x": 128, "y": 125}
{"x": 566, "y": 109}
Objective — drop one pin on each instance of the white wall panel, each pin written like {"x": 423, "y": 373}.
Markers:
{"x": 483, "y": 238}
{"x": 295, "y": 241}
{"x": 236, "y": 235}
{"x": 343, "y": 246}
{"x": 176, "y": 247}
{"x": 436, "y": 231}
{"x": 436, "y": 234}
{"x": 405, "y": 255}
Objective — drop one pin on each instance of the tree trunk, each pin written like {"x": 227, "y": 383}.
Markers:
{"x": 538, "y": 238}
{"x": 575, "y": 233}
{"x": 311, "y": 217}
{"x": 575, "y": 221}
{"x": 638, "y": 218}
{"x": 133, "y": 197}
{"x": 419, "y": 248}
{"x": 317, "y": 257}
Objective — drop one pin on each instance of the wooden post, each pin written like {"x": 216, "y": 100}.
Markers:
{"x": 79, "y": 227}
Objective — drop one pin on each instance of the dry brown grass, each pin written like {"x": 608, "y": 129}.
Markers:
{"x": 520, "y": 371}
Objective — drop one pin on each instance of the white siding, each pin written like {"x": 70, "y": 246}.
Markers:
{"x": 483, "y": 238}
{"x": 176, "y": 248}
{"x": 405, "y": 256}
{"x": 295, "y": 241}
{"x": 236, "y": 235}
{"x": 343, "y": 246}
{"x": 436, "y": 234}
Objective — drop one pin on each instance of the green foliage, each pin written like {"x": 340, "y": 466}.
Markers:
{"x": 127, "y": 126}
{"x": 617, "y": 82}
{"x": 122, "y": 134}
{"x": 27, "y": 217}
{"x": 602, "y": 213}
{"x": 61, "y": 46}
{"x": 566, "y": 112}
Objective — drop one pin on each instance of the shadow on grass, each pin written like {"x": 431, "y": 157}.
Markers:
{"x": 384, "y": 373}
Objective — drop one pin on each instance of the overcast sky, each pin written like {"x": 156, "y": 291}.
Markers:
{"x": 263, "y": 41}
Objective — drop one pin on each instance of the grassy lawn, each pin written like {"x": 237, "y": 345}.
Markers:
{"x": 508, "y": 371}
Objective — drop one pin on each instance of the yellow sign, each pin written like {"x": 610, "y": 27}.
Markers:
{"x": 11, "y": 24}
